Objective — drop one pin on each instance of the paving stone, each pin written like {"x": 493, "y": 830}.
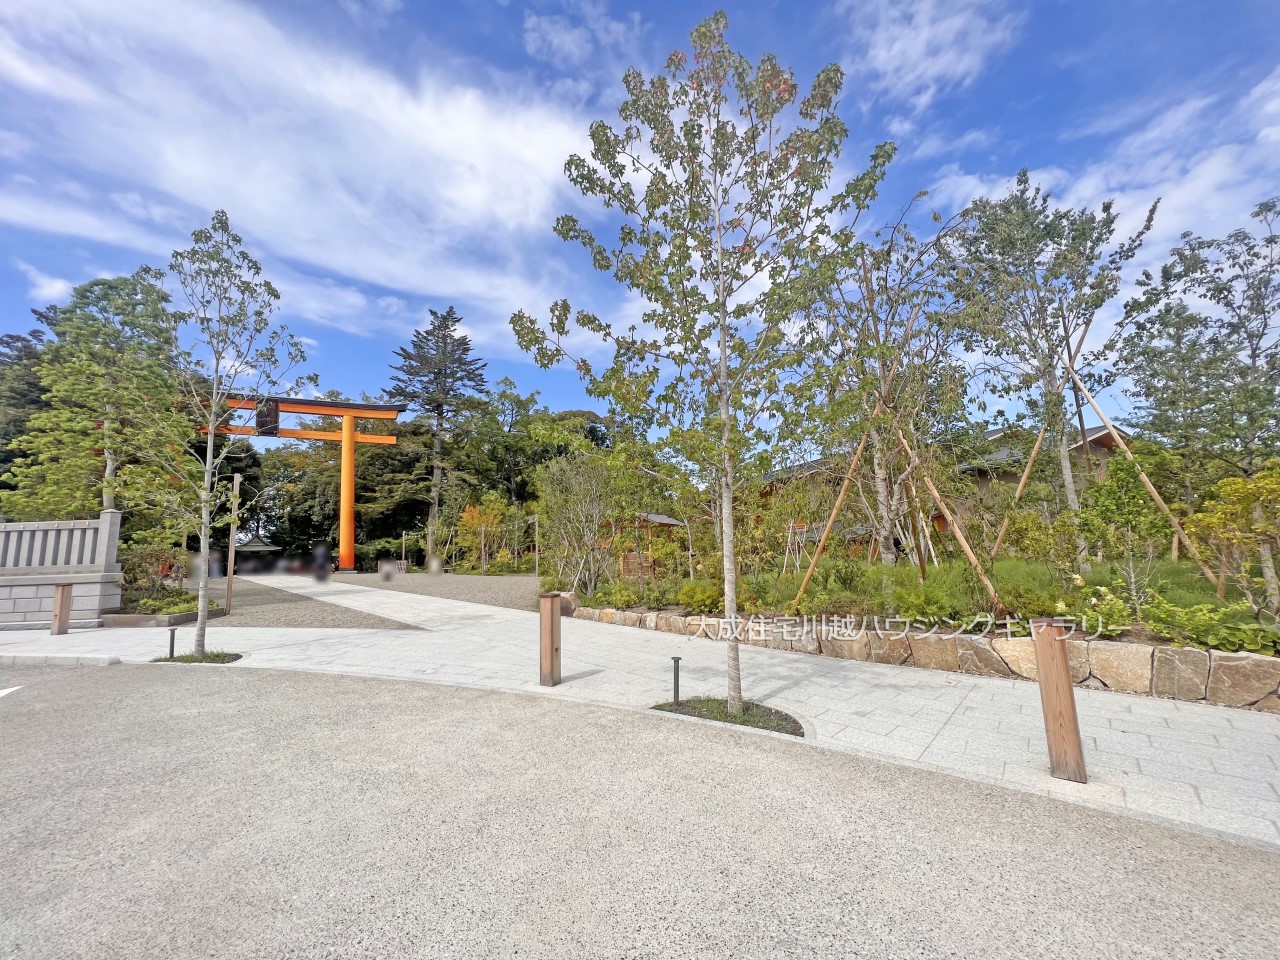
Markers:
{"x": 1240, "y": 679}
{"x": 934, "y": 653}
{"x": 1124, "y": 667}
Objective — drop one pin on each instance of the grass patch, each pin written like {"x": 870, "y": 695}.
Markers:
{"x": 753, "y": 714}
{"x": 209, "y": 656}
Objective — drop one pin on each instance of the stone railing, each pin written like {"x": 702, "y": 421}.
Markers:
{"x": 1180, "y": 673}
{"x": 35, "y": 558}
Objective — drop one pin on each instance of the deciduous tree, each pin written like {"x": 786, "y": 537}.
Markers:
{"x": 720, "y": 177}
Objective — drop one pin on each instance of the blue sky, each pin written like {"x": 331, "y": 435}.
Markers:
{"x": 385, "y": 156}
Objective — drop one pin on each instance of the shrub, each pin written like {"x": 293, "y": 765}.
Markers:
{"x": 615, "y": 593}
{"x": 702, "y": 596}
{"x": 658, "y": 594}
{"x": 1219, "y": 626}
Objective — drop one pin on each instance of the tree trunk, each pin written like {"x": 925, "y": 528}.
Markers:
{"x": 734, "y": 698}
{"x": 110, "y": 466}
{"x": 884, "y": 503}
{"x": 1064, "y": 460}
{"x": 206, "y": 524}
{"x": 1266, "y": 561}
{"x": 437, "y": 469}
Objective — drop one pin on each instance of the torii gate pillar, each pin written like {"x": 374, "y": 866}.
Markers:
{"x": 347, "y": 498}
{"x": 267, "y": 424}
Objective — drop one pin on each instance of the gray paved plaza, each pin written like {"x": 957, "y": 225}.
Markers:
{"x": 1209, "y": 768}
{"x": 172, "y": 811}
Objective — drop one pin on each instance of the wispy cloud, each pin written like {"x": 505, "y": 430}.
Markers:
{"x": 917, "y": 50}
{"x": 44, "y": 289}
{"x": 432, "y": 186}
{"x": 371, "y": 11}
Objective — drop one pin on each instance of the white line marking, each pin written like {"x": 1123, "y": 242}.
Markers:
{"x": 10, "y": 690}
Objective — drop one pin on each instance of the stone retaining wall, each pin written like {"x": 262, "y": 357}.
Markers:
{"x": 1179, "y": 673}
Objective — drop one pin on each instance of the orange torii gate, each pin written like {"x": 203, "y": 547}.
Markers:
{"x": 267, "y": 424}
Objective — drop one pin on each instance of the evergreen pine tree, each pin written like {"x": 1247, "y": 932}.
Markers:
{"x": 440, "y": 380}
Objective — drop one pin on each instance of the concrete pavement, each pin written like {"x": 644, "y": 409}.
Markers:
{"x": 1211, "y": 769}
{"x": 175, "y": 811}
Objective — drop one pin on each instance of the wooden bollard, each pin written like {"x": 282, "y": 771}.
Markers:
{"x": 549, "y": 647}
{"x": 1058, "y": 700}
{"x": 60, "y": 620}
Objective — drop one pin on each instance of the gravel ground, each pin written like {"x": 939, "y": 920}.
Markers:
{"x": 177, "y": 811}
{"x": 256, "y": 605}
{"x": 518, "y": 592}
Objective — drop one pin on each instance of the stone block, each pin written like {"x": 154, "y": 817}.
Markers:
{"x": 804, "y": 638}
{"x": 695, "y": 626}
{"x": 569, "y": 604}
{"x": 26, "y": 592}
{"x": 649, "y": 621}
{"x": 1125, "y": 667}
{"x": 31, "y": 605}
{"x": 607, "y": 615}
{"x": 1078, "y": 660}
{"x": 6, "y": 606}
{"x": 627, "y": 618}
{"x": 975, "y": 656}
{"x": 1018, "y": 653}
{"x": 6, "y": 593}
{"x": 587, "y": 613}
{"x": 935, "y": 653}
{"x": 1180, "y": 673}
{"x": 670, "y": 623}
{"x": 1270, "y": 704}
{"x": 1241, "y": 679}
{"x": 845, "y": 646}
{"x": 889, "y": 648}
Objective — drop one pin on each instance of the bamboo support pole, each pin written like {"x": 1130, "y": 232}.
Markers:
{"x": 1146, "y": 481}
{"x": 952, "y": 524}
{"x": 831, "y": 520}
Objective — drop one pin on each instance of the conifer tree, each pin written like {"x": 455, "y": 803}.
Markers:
{"x": 441, "y": 381}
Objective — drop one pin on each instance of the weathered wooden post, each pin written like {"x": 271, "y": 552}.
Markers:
{"x": 549, "y": 647}
{"x": 1058, "y": 701}
{"x": 60, "y": 620}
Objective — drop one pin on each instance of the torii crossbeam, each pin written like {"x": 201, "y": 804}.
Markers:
{"x": 267, "y": 424}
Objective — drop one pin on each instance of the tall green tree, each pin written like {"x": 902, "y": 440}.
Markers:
{"x": 441, "y": 380}
{"x": 1203, "y": 354}
{"x": 721, "y": 176}
{"x": 229, "y": 344}
{"x": 109, "y": 360}
{"x": 1031, "y": 278}
{"x": 21, "y": 393}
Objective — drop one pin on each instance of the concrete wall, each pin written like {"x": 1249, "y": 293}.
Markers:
{"x": 37, "y": 557}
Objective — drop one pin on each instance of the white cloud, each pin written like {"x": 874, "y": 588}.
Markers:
{"x": 1208, "y": 167}
{"x": 555, "y": 40}
{"x": 916, "y": 50}
{"x": 44, "y": 289}
{"x": 428, "y": 186}
{"x": 937, "y": 144}
{"x": 374, "y": 11}
{"x": 13, "y": 145}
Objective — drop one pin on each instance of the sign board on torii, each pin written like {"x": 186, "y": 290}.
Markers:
{"x": 267, "y": 424}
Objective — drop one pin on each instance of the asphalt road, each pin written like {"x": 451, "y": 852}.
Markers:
{"x": 178, "y": 811}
